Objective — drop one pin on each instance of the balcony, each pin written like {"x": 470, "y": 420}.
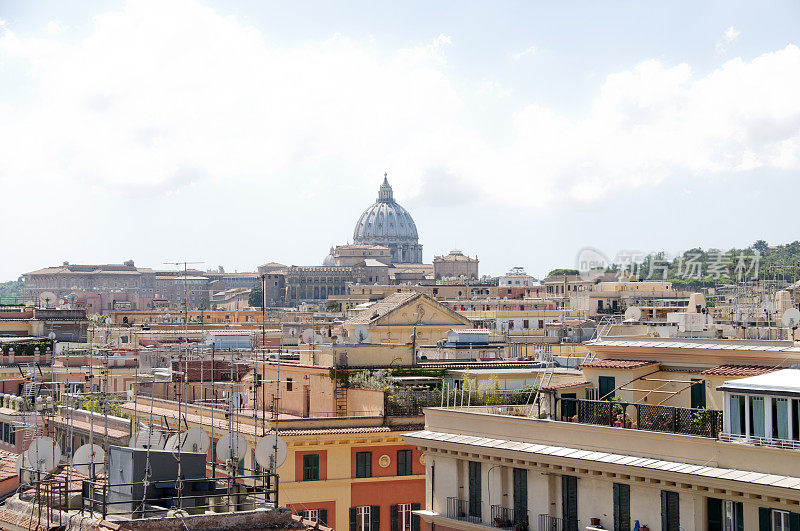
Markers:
{"x": 551, "y": 523}
{"x": 505, "y": 518}
{"x": 458, "y": 509}
{"x": 667, "y": 419}
{"x": 755, "y": 440}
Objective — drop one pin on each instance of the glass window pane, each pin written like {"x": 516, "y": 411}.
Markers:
{"x": 757, "y": 416}
{"x": 781, "y": 412}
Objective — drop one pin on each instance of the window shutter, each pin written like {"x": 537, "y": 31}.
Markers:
{"x": 375, "y": 518}
{"x": 763, "y": 519}
{"x": 569, "y": 502}
{"x": 794, "y": 522}
{"x": 622, "y": 507}
{"x": 352, "y": 519}
{"x": 393, "y": 514}
{"x": 739, "y": 509}
{"x": 670, "y": 516}
{"x": 714, "y": 506}
{"x": 415, "y": 519}
{"x": 323, "y": 517}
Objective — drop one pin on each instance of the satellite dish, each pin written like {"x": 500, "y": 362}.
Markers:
{"x": 791, "y": 318}
{"x": 271, "y": 452}
{"x": 231, "y": 445}
{"x": 43, "y": 455}
{"x": 307, "y": 335}
{"x": 634, "y": 313}
{"x": 85, "y": 456}
{"x": 361, "y": 334}
{"x": 147, "y": 438}
{"x": 193, "y": 440}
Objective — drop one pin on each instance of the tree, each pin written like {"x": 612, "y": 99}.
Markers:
{"x": 255, "y": 299}
{"x": 563, "y": 271}
{"x": 761, "y": 246}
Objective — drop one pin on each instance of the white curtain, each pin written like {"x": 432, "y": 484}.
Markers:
{"x": 757, "y": 416}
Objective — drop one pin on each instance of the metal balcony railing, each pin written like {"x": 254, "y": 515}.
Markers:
{"x": 756, "y": 440}
{"x": 551, "y": 523}
{"x": 459, "y": 509}
{"x": 668, "y": 419}
{"x": 506, "y": 518}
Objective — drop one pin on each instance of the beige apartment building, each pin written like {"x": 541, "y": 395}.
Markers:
{"x": 672, "y": 435}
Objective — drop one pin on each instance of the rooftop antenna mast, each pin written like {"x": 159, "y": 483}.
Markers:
{"x": 182, "y": 383}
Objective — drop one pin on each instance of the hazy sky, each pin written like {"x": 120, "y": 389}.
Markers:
{"x": 238, "y": 133}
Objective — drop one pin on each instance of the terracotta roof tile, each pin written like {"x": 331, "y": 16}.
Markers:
{"x": 567, "y": 385}
{"x": 384, "y": 306}
{"x": 618, "y": 364}
{"x": 738, "y": 370}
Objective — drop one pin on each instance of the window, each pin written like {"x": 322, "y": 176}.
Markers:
{"x": 520, "y": 487}
{"x": 475, "y": 489}
{"x": 780, "y": 418}
{"x": 404, "y": 462}
{"x": 757, "y": 416}
{"x": 288, "y": 384}
{"x": 780, "y": 521}
{"x": 365, "y": 518}
{"x": 319, "y": 516}
{"x": 670, "y": 515}
{"x": 737, "y": 415}
{"x": 698, "y": 394}
{"x": 725, "y": 515}
{"x": 622, "y": 507}
{"x": 569, "y": 502}
{"x": 402, "y": 517}
{"x": 607, "y": 385}
{"x": 363, "y": 464}
{"x": 568, "y": 408}
{"x": 311, "y": 467}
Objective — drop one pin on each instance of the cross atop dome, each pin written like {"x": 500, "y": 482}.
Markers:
{"x": 385, "y": 194}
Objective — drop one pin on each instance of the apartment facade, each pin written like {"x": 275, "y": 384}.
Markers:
{"x": 486, "y": 469}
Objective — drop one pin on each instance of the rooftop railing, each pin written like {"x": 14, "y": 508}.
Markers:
{"x": 667, "y": 419}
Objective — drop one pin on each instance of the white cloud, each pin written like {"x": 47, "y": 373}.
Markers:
{"x": 54, "y": 27}
{"x": 728, "y": 38}
{"x": 161, "y": 96}
{"x": 531, "y": 50}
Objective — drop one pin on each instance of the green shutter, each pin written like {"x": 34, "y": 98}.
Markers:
{"x": 763, "y": 519}
{"x": 670, "y": 517}
{"x": 415, "y": 519}
{"x": 363, "y": 464}
{"x": 622, "y": 507}
{"x": 738, "y": 508}
{"x": 520, "y": 476}
{"x": 698, "y": 394}
{"x": 375, "y": 518}
{"x": 475, "y": 489}
{"x": 352, "y": 519}
{"x": 569, "y": 502}
{"x": 394, "y": 517}
{"x": 714, "y": 508}
{"x": 607, "y": 386}
{"x": 323, "y": 517}
{"x": 794, "y": 522}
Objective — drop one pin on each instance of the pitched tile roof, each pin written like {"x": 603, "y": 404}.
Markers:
{"x": 618, "y": 364}
{"x": 384, "y": 306}
{"x": 738, "y": 370}
{"x": 8, "y": 465}
{"x": 567, "y": 385}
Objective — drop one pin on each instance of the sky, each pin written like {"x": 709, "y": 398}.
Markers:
{"x": 241, "y": 132}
